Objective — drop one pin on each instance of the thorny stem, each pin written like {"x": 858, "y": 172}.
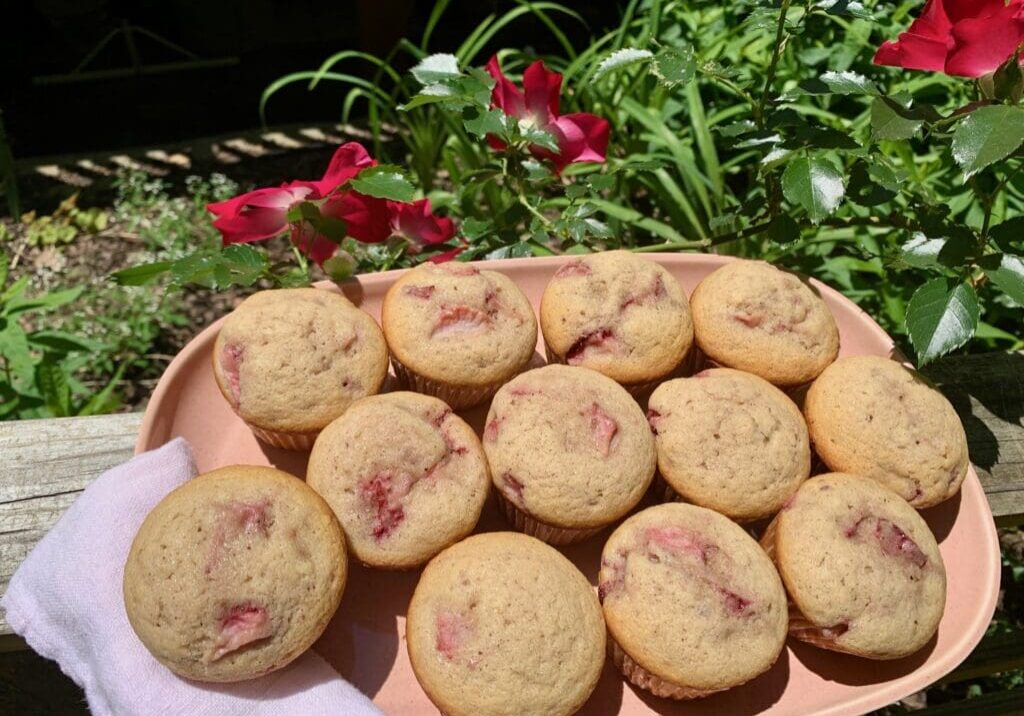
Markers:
{"x": 769, "y": 80}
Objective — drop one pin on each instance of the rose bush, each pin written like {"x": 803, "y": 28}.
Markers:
{"x": 875, "y": 145}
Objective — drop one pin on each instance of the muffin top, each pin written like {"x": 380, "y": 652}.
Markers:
{"x": 569, "y": 446}
{"x": 692, "y": 598}
{"x": 454, "y": 323}
{"x": 873, "y": 417}
{"x": 501, "y": 624}
{"x": 234, "y": 574}
{"x": 858, "y": 561}
{"x": 730, "y": 441}
{"x": 752, "y": 316}
{"x": 404, "y": 474}
{"x": 619, "y": 314}
{"x": 294, "y": 359}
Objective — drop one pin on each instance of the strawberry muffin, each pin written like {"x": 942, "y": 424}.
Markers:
{"x": 874, "y": 417}
{"x": 619, "y": 314}
{"x": 757, "y": 318}
{"x": 861, "y": 567}
{"x": 693, "y": 604}
{"x": 569, "y": 451}
{"x": 289, "y": 361}
{"x": 234, "y": 574}
{"x": 503, "y": 625}
{"x": 730, "y": 441}
{"x": 405, "y": 476}
{"x": 456, "y": 332}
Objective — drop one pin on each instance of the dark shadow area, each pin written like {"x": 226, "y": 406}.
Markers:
{"x": 363, "y": 640}
{"x": 942, "y": 517}
{"x": 855, "y": 671}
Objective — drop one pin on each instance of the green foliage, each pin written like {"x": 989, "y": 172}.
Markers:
{"x": 64, "y": 225}
{"x": 759, "y": 128}
{"x": 35, "y": 370}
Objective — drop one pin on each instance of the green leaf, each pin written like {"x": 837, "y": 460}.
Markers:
{"x": 814, "y": 183}
{"x": 480, "y": 122}
{"x": 949, "y": 251}
{"x": 62, "y": 342}
{"x": 1009, "y": 276}
{"x": 244, "y": 263}
{"x": 1009, "y": 234}
{"x": 13, "y": 291}
{"x": 437, "y": 68}
{"x": 3, "y": 268}
{"x": 601, "y": 182}
{"x": 384, "y": 181}
{"x": 863, "y": 188}
{"x": 52, "y": 384}
{"x": 540, "y": 138}
{"x": 45, "y": 302}
{"x": 105, "y": 401}
{"x": 625, "y": 57}
{"x": 845, "y": 7}
{"x": 474, "y": 229}
{"x": 783, "y": 229}
{"x": 674, "y": 66}
{"x": 142, "y": 274}
{"x": 888, "y": 122}
{"x": 842, "y": 83}
{"x": 15, "y": 351}
{"x": 986, "y": 136}
{"x": 942, "y": 316}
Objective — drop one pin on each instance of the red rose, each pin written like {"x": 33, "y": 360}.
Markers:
{"x": 967, "y": 38}
{"x": 581, "y": 137}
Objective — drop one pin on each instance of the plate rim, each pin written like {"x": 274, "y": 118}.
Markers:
{"x": 925, "y": 675}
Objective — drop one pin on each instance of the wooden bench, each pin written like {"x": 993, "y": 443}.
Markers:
{"x": 44, "y": 464}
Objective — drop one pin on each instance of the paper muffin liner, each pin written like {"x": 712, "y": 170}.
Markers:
{"x": 642, "y": 678}
{"x": 287, "y": 440}
{"x": 458, "y": 397}
{"x": 640, "y": 390}
{"x": 800, "y": 627}
{"x": 527, "y": 524}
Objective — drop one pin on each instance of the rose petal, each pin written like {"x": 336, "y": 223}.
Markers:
{"x": 542, "y": 87}
{"x": 350, "y": 159}
{"x": 505, "y": 96}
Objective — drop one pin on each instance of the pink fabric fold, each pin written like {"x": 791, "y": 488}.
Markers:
{"x": 65, "y": 601}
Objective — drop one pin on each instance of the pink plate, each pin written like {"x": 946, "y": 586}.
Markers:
{"x": 365, "y": 641}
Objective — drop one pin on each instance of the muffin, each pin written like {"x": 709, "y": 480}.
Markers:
{"x": 289, "y": 361}
{"x": 405, "y": 476}
{"x": 729, "y": 441}
{"x": 619, "y": 314}
{"x": 234, "y": 574}
{"x": 693, "y": 604}
{"x": 456, "y": 332}
{"x": 873, "y": 417}
{"x": 569, "y": 450}
{"x": 861, "y": 567}
{"x": 752, "y": 316}
{"x": 503, "y": 625}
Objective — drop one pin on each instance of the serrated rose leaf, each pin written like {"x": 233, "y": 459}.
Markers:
{"x": 814, "y": 183}
{"x": 986, "y": 136}
{"x": 942, "y": 316}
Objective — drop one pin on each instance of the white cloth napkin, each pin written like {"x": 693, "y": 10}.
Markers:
{"x": 65, "y": 600}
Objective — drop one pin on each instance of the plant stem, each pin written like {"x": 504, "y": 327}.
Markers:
{"x": 893, "y": 221}
{"x": 533, "y": 210}
{"x": 780, "y": 32}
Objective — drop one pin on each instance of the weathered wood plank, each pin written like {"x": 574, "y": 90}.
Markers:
{"x": 44, "y": 465}
{"x": 995, "y": 654}
{"x": 987, "y": 391}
